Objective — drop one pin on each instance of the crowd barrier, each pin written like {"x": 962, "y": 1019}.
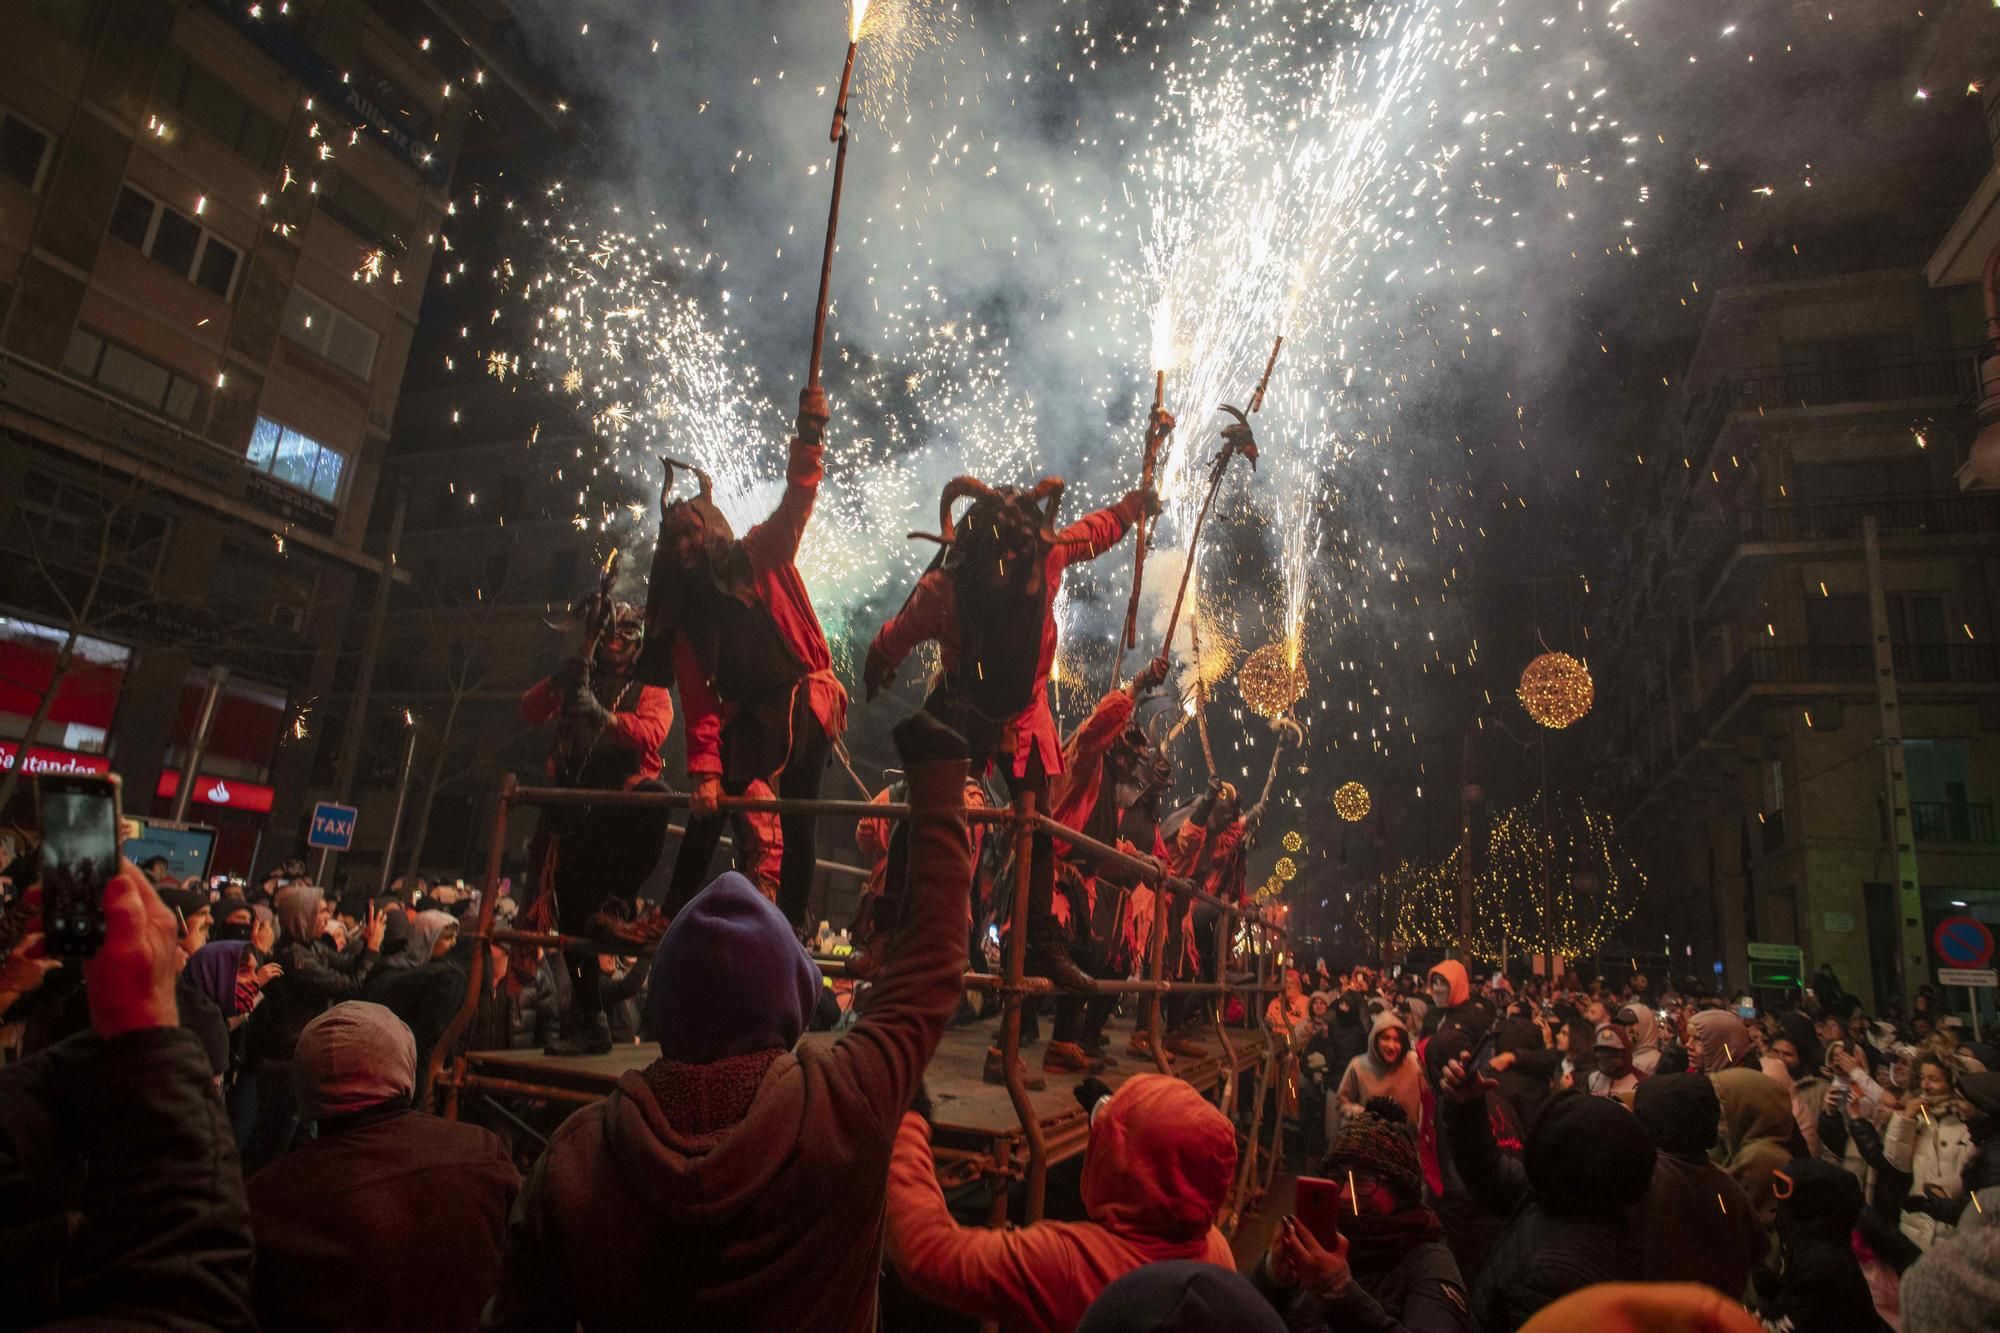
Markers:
{"x": 1021, "y": 1152}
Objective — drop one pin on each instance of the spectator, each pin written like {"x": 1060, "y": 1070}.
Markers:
{"x": 420, "y": 985}
{"x": 1159, "y": 1164}
{"x": 1614, "y": 1075}
{"x": 1955, "y": 1287}
{"x": 1586, "y": 1163}
{"x": 1756, "y": 1135}
{"x": 1389, "y": 1267}
{"x": 1696, "y": 1224}
{"x": 1718, "y": 1040}
{"x": 1643, "y": 1027}
{"x": 738, "y": 1181}
{"x": 1385, "y": 1069}
{"x": 1180, "y": 1296}
{"x": 154, "y": 1234}
{"x": 389, "y": 1218}
{"x": 313, "y": 977}
{"x": 1817, "y": 1286}
{"x": 1930, "y": 1140}
{"x": 1450, "y": 990}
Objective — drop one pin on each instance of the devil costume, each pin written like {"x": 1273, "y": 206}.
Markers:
{"x": 988, "y": 595}
{"x": 730, "y": 621}
{"x": 609, "y": 731}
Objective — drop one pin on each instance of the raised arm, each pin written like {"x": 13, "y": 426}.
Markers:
{"x": 1099, "y": 531}
{"x": 775, "y": 542}
{"x": 922, "y": 619}
{"x": 704, "y": 713}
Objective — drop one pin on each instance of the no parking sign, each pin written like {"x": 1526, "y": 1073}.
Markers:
{"x": 1962, "y": 941}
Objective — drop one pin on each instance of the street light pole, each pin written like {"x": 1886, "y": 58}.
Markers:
{"x": 197, "y": 750}
{"x": 402, "y": 796}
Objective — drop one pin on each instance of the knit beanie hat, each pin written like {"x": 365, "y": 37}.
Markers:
{"x": 1680, "y": 1111}
{"x": 1377, "y": 1140}
{"x": 1955, "y": 1286}
{"x": 1177, "y": 1295}
{"x": 1587, "y": 1157}
{"x": 729, "y": 977}
{"x": 354, "y": 1057}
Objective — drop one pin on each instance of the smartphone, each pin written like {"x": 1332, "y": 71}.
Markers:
{"x": 1318, "y": 1207}
{"x": 79, "y": 821}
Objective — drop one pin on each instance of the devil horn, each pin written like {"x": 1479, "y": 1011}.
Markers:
{"x": 1050, "y": 489}
{"x": 954, "y": 490}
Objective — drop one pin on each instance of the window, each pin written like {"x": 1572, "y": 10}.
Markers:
{"x": 362, "y": 213}
{"x": 207, "y": 101}
{"x": 297, "y": 459}
{"x": 174, "y": 240}
{"x": 24, "y": 151}
{"x": 121, "y": 371}
{"x": 64, "y": 522}
{"x": 320, "y": 326}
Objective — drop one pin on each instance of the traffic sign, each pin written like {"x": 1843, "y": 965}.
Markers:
{"x": 1963, "y": 942}
{"x": 332, "y": 827}
{"x": 1983, "y": 977}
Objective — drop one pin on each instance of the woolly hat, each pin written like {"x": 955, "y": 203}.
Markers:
{"x": 1955, "y": 1286}
{"x": 1377, "y": 1140}
{"x": 213, "y": 968}
{"x": 729, "y": 977}
{"x": 1180, "y": 1294}
{"x": 354, "y": 1057}
{"x": 1680, "y": 1111}
{"x": 1587, "y": 1157}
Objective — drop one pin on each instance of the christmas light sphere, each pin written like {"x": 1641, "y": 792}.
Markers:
{"x": 1293, "y": 841}
{"x": 1286, "y": 869}
{"x": 1556, "y": 690}
{"x": 1352, "y": 802}
{"x": 1270, "y": 680}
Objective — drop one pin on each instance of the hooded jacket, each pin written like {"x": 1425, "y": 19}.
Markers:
{"x": 1645, "y": 1033}
{"x": 775, "y": 1220}
{"x": 1818, "y": 1287}
{"x": 1368, "y": 1075}
{"x": 1566, "y": 1202}
{"x": 1756, "y": 1134}
{"x": 314, "y": 976}
{"x": 1725, "y": 1042}
{"x": 1696, "y": 1224}
{"x": 1159, "y": 1165}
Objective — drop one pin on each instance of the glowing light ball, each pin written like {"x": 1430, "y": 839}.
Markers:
{"x": 1352, "y": 802}
{"x": 1270, "y": 680}
{"x": 1556, "y": 689}
{"x": 1286, "y": 869}
{"x": 1293, "y": 841}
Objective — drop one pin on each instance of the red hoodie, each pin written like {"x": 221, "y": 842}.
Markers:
{"x": 1159, "y": 1166}
{"x": 932, "y": 614}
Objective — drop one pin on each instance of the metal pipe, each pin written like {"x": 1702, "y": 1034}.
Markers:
{"x": 402, "y": 799}
{"x": 1012, "y": 999}
{"x": 475, "y": 969}
{"x": 197, "y": 750}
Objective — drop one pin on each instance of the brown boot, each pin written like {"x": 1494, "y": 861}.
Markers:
{"x": 996, "y": 1072}
{"x": 1179, "y": 1043}
{"x": 1140, "y": 1047}
{"x": 1067, "y": 1057}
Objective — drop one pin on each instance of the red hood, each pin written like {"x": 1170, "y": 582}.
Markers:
{"x": 1160, "y": 1162}
{"x": 1453, "y": 971}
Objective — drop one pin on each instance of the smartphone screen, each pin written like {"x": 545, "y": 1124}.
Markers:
{"x": 79, "y": 819}
{"x": 1318, "y": 1206}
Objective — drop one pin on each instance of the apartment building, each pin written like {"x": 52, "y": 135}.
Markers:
{"x": 216, "y": 223}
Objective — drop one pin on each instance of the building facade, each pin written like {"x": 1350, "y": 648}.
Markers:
{"x": 216, "y": 222}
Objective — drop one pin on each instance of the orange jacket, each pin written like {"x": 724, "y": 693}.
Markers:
{"x": 1159, "y": 1166}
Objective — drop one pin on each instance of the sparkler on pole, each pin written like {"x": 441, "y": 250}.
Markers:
{"x": 1158, "y": 428}
{"x": 838, "y": 135}
{"x": 1235, "y": 439}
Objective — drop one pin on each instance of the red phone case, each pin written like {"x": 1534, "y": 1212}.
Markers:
{"x": 1319, "y": 1206}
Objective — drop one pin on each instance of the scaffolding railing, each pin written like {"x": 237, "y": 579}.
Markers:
{"x": 452, "y": 1074}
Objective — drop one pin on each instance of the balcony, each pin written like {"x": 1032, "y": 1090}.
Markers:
{"x": 1945, "y": 515}
{"x": 1847, "y": 671}
{"x": 1953, "y": 822}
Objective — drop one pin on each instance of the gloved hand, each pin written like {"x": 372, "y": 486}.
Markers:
{"x": 1144, "y": 500}
{"x": 572, "y": 672}
{"x": 877, "y": 672}
{"x": 1150, "y": 675}
{"x": 1159, "y": 425}
{"x": 583, "y": 705}
{"x": 1204, "y": 805}
{"x": 813, "y": 415}
{"x": 1091, "y": 1091}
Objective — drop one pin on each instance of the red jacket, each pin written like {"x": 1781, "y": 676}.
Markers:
{"x": 1157, "y": 1170}
{"x": 1073, "y": 795}
{"x": 932, "y": 614}
{"x": 773, "y": 547}
{"x": 644, "y": 728}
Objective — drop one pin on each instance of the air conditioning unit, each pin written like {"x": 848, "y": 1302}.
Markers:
{"x": 291, "y": 619}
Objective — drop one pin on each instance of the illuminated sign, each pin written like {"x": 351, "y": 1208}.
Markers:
{"x": 42, "y": 759}
{"x": 231, "y": 793}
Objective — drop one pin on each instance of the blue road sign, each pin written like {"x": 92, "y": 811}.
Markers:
{"x": 332, "y": 827}
{"x": 1963, "y": 941}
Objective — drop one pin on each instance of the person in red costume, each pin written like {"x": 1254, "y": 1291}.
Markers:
{"x": 611, "y": 729}
{"x": 1208, "y": 849}
{"x": 991, "y": 591}
{"x": 730, "y": 621}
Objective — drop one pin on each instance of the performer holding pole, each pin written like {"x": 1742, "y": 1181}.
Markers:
{"x": 609, "y": 729}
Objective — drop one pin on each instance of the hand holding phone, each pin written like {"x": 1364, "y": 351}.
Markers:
{"x": 78, "y": 814}
{"x": 1318, "y": 1207}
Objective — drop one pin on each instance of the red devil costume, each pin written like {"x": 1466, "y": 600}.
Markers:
{"x": 991, "y": 592}
{"x": 609, "y": 731}
{"x": 731, "y": 623}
